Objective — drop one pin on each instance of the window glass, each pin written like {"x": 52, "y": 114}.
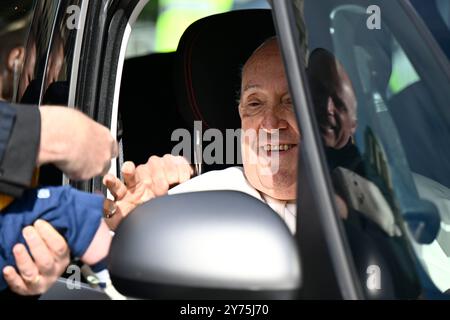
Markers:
{"x": 444, "y": 11}
{"x": 381, "y": 101}
{"x": 31, "y": 80}
{"x": 163, "y": 22}
{"x": 15, "y": 20}
{"x": 403, "y": 72}
{"x": 59, "y": 65}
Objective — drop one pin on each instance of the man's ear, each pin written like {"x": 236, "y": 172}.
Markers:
{"x": 16, "y": 58}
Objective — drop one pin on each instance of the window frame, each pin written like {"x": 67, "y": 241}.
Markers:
{"x": 320, "y": 234}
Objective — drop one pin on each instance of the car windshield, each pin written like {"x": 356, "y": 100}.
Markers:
{"x": 397, "y": 121}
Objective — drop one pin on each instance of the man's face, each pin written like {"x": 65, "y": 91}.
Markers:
{"x": 271, "y": 135}
{"x": 335, "y": 102}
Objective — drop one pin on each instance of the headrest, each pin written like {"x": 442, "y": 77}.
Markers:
{"x": 209, "y": 60}
{"x": 156, "y": 112}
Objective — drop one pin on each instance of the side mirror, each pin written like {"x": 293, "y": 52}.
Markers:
{"x": 205, "y": 245}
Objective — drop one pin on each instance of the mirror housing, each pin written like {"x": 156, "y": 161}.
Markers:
{"x": 205, "y": 245}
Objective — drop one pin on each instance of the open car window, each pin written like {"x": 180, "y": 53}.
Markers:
{"x": 146, "y": 59}
{"x": 61, "y": 57}
{"x": 381, "y": 100}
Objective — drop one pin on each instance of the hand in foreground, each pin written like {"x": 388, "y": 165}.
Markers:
{"x": 49, "y": 258}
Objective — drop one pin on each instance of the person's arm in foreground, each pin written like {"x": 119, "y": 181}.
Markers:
{"x": 32, "y": 136}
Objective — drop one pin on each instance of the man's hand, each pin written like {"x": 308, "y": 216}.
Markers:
{"x": 145, "y": 182}
{"x": 76, "y": 144}
{"x": 50, "y": 257}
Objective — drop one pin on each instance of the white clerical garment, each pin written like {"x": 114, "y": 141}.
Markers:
{"x": 234, "y": 179}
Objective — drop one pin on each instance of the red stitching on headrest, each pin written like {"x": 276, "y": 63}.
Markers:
{"x": 189, "y": 83}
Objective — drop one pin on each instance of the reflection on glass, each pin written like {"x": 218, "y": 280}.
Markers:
{"x": 381, "y": 102}
{"x": 36, "y": 52}
{"x": 15, "y": 19}
{"x": 57, "y": 77}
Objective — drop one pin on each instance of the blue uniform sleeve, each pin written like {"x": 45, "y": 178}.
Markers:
{"x": 7, "y": 117}
{"x": 75, "y": 214}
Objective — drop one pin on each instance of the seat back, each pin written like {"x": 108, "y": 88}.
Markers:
{"x": 148, "y": 109}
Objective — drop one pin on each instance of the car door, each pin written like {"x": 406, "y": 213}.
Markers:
{"x": 82, "y": 71}
{"x": 393, "y": 243}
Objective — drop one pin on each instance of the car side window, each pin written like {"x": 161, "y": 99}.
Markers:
{"x": 153, "y": 40}
{"x": 436, "y": 15}
{"x": 444, "y": 11}
{"x": 15, "y": 21}
{"x": 383, "y": 118}
{"x": 61, "y": 55}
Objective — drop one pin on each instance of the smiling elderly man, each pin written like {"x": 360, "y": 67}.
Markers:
{"x": 265, "y": 107}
